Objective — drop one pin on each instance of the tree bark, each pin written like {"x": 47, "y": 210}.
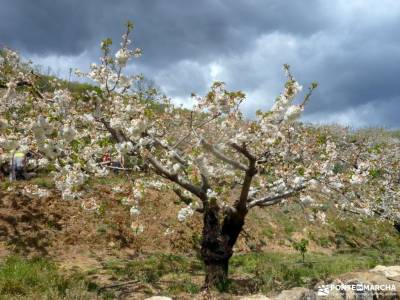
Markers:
{"x": 217, "y": 244}
{"x": 214, "y": 251}
{"x": 216, "y": 273}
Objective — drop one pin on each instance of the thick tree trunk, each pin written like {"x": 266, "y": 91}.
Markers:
{"x": 214, "y": 250}
{"x": 216, "y": 273}
{"x": 217, "y": 243}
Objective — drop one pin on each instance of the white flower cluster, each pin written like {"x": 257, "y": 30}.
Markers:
{"x": 62, "y": 100}
{"x": 123, "y": 55}
{"x": 168, "y": 231}
{"x": 293, "y": 112}
{"x": 361, "y": 173}
{"x": 118, "y": 189}
{"x": 185, "y": 213}
{"x": 128, "y": 201}
{"x": 211, "y": 194}
{"x": 124, "y": 147}
{"x": 68, "y": 133}
{"x": 321, "y": 216}
{"x": 306, "y": 200}
{"x": 136, "y": 128}
{"x": 134, "y": 211}
{"x": 137, "y": 192}
{"x": 298, "y": 181}
{"x": 157, "y": 185}
{"x": 219, "y": 100}
{"x": 283, "y": 109}
{"x": 134, "y": 200}
{"x": 68, "y": 179}
{"x": 34, "y": 190}
{"x": 42, "y": 162}
{"x": 279, "y": 186}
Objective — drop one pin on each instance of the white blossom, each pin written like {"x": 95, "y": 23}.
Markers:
{"x": 293, "y": 112}
{"x": 356, "y": 179}
{"x": 306, "y": 200}
{"x": 211, "y": 194}
{"x": 122, "y": 56}
{"x": 185, "y": 213}
{"x": 134, "y": 211}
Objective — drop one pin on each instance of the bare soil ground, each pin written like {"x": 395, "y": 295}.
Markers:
{"x": 63, "y": 230}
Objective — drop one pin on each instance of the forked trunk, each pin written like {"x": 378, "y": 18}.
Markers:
{"x": 217, "y": 243}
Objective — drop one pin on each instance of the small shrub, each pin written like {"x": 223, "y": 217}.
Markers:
{"x": 301, "y": 246}
{"x": 323, "y": 241}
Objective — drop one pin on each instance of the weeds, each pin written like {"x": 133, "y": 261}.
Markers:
{"x": 277, "y": 271}
{"x": 39, "y": 278}
{"x": 249, "y": 273}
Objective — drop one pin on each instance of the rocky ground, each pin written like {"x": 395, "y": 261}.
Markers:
{"x": 387, "y": 278}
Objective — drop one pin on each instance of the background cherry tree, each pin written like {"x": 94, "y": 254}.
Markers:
{"x": 369, "y": 163}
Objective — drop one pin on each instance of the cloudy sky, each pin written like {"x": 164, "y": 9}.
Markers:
{"x": 352, "y": 48}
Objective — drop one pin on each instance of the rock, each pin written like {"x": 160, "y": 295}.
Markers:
{"x": 380, "y": 282}
{"x": 254, "y": 297}
{"x": 360, "y": 286}
{"x": 391, "y": 272}
{"x": 371, "y": 277}
{"x": 297, "y": 293}
{"x": 395, "y": 278}
{"x": 328, "y": 292}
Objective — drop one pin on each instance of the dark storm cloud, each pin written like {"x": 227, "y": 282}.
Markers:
{"x": 42, "y": 26}
{"x": 350, "y": 47}
{"x": 167, "y": 30}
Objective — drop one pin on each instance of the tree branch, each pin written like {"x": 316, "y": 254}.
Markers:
{"x": 195, "y": 127}
{"x": 116, "y": 134}
{"x": 271, "y": 200}
{"x": 185, "y": 199}
{"x": 23, "y": 83}
{"x": 175, "y": 155}
{"x": 218, "y": 154}
{"x": 242, "y": 149}
{"x": 198, "y": 191}
{"x": 241, "y": 204}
